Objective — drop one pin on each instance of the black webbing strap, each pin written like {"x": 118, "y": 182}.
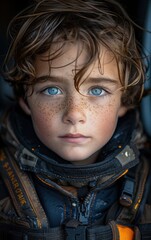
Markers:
{"x": 100, "y": 232}
{"x": 16, "y": 233}
{"x": 75, "y": 231}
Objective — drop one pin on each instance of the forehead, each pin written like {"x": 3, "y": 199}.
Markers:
{"x": 73, "y": 57}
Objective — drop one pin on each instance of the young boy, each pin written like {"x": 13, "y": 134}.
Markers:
{"x": 73, "y": 164}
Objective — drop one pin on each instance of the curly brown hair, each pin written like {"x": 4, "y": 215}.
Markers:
{"x": 95, "y": 23}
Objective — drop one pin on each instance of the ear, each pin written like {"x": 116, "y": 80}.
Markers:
{"x": 24, "y": 105}
{"x": 122, "y": 111}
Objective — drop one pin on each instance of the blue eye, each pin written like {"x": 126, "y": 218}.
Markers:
{"x": 52, "y": 91}
{"x": 96, "y": 91}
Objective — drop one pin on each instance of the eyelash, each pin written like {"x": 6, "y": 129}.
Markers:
{"x": 53, "y": 87}
{"x": 101, "y": 89}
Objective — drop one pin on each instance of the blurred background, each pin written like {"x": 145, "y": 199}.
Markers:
{"x": 8, "y": 9}
{"x": 139, "y": 11}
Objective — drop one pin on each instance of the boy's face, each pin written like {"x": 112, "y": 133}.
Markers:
{"x": 73, "y": 125}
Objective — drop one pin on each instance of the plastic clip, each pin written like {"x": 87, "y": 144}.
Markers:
{"x": 127, "y": 193}
{"x": 74, "y": 231}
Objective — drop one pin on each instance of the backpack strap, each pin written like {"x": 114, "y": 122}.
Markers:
{"x": 28, "y": 208}
{"x": 134, "y": 194}
{"x": 128, "y": 211}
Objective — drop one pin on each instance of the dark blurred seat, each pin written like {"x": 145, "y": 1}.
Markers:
{"x": 8, "y": 9}
{"x": 146, "y": 103}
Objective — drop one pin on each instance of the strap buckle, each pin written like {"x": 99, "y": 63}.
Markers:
{"x": 128, "y": 192}
{"x": 75, "y": 231}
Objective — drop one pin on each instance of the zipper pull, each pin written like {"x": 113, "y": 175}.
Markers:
{"x": 84, "y": 209}
{"x": 83, "y": 213}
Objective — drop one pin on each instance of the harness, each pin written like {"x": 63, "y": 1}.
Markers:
{"x": 32, "y": 224}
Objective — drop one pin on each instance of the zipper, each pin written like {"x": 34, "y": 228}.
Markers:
{"x": 81, "y": 211}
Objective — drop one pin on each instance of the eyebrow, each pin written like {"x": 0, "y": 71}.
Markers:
{"x": 96, "y": 80}
{"x": 102, "y": 80}
{"x": 48, "y": 78}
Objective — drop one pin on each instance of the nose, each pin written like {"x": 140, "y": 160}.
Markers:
{"x": 74, "y": 112}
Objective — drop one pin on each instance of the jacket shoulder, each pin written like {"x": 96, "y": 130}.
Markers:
{"x": 145, "y": 207}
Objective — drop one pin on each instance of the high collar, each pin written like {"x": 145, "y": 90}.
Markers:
{"x": 118, "y": 155}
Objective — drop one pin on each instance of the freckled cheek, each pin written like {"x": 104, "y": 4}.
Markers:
{"x": 104, "y": 115}
{"x": 104, "y": 125}
{"x": 44, "y": 113}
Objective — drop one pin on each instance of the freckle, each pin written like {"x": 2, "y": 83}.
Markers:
{"x": 47, "y": 110}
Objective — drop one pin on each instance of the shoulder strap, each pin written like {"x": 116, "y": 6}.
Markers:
{"x": 134, "y": 194}
{"x": 29, "y": 210}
